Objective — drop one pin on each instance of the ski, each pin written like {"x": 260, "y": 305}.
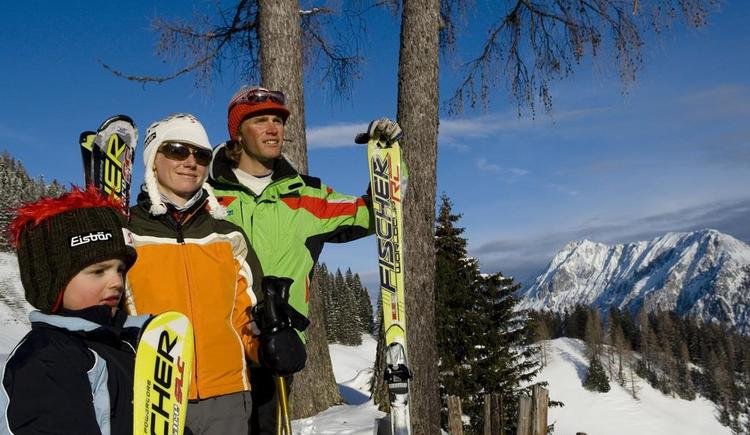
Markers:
{"x": 388, "y": 181}
{"x": 108, "y": 157}
{"x": 163, "y": 369}
{"x": 86, "y": 140}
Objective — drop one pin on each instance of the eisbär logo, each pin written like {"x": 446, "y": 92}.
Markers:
{"x": 83, "y": 239}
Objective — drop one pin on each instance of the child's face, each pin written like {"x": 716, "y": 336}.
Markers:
{"x": 98, "y": 284}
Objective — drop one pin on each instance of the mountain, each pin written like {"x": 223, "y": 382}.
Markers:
{"x": 704, "y": 273}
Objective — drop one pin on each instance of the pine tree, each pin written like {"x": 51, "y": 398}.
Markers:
{"x": 596, "y": 377}
{"x": 484, "y": 345}
{"x": 364, "y": 306}
{"x": 16, "y": 188}
{"x": 350, "y": 333}
{"x": 454, "y": 308}
{"x": 323, "y": 279}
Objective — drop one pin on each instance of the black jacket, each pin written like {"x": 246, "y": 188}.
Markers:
{"x": 72, "y": 374}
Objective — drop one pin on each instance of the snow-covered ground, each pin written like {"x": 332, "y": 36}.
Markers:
{"x": 612, "y": 413}
{"x": 616, "y": 412}
{"x": 352, "y": 367}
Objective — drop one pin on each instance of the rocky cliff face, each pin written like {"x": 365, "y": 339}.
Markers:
{"x": 705, "y": 274}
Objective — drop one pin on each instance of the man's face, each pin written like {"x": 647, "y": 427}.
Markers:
{"x": 262, "y": 137}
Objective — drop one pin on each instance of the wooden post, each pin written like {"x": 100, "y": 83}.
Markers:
{"x": 455, "y": 426}
{"x": 539, "y": 398}
{"x": 497, "y": 414}
{"x": 487, "y": 415}
{"x": 523, "y": 426}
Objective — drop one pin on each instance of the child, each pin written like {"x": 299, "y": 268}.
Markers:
{"x": 73, "y": 372}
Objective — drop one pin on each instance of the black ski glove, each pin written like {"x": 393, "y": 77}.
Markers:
{"x": 281, "y": 349}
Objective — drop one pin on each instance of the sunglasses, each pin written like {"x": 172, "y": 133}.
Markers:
{"x": 180, "y": 152}
{"x": 259, "y": 95}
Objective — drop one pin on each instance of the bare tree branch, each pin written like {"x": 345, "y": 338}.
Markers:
{"x": 538, "y": 41}
{"x": 203, "y": 46}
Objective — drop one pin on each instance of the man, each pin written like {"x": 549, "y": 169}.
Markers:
{"x": 286, "y": 215}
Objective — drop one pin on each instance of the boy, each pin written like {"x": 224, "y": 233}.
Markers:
{"x": 73, "y": 372}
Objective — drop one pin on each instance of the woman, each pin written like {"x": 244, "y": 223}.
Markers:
{"x": 193, "y": 262}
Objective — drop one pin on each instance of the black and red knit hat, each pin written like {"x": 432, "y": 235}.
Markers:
{"x": 55, "y": 238}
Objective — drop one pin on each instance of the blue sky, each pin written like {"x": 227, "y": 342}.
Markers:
{"x": 672, "y": 154}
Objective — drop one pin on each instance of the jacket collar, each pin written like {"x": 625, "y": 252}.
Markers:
{"x": 222, "y": 176}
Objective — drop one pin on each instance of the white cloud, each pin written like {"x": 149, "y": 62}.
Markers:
{"x": 563, "y": 189}
{"x": 453, "y": 132}
{"x": 334, "y": 136}
{"x": 507, "y": 174}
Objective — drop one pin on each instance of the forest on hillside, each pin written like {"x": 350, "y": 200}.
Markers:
{"x": 17, "y": 187}
{"x": 680, "y": 356}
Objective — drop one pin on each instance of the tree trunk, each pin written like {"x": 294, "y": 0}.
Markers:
{"x": 281, "y": 69}
{"x": 418, "y": 116}
{"x": 455, "y": 425}
{"x": 314, "y": 389}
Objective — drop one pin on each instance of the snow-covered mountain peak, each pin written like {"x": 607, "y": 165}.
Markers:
{"x": 702, "y": 273}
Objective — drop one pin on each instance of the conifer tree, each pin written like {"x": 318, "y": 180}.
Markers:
{"x": 16, "y": 188}
{"x": 484, "y": 345}
{"x": 364, "y": 306}
{"x": 596, "y": 377}
{"x": 323, "y": 278}
{"x": 350, "y": 333}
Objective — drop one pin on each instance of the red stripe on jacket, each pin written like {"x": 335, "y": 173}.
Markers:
{"x": 323, "y": 209}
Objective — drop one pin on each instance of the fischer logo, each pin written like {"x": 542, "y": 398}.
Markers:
{"x": 83, "y": 239}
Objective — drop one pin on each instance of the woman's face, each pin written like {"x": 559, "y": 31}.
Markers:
{"x": 179, "y": 180}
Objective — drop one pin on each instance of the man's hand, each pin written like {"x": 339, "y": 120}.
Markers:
{"x": 280, "y": 347}
{"x": 382, "y": 128}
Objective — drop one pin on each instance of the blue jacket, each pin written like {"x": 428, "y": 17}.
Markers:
{"x": 72, "y": 374}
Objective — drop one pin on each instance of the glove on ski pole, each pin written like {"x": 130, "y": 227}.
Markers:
{"x": 281, "y": 349}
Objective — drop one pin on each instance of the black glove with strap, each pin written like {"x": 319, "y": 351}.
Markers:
{"x": 281, "y": 349}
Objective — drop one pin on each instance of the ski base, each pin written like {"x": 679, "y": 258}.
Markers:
{"x": 163, "y": 369}
{"x": 388, "y": 183}
{"x": 397, "y": 378}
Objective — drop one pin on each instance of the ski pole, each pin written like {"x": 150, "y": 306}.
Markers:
{"x": 283, "y": 423}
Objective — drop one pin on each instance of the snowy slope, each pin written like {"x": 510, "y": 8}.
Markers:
{"x": 352, "y": 367}
{"x": 703, "y": 273}
{"x": 14, "y": 309}
{"x": 616, "y": 412}
{"x": 613, "y": 413}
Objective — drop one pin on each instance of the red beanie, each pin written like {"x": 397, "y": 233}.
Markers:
{"x": 250, "y": 101}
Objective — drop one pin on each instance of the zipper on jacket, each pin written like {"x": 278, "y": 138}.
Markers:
{"x": 177, "y": 226}
{"x": 185, "y": 263}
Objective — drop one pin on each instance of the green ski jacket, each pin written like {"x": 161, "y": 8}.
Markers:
{"x": 289, "y": 222}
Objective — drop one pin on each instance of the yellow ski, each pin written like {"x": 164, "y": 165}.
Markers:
{"x": 163, "y": 366}
{"x": 388, "y": 183}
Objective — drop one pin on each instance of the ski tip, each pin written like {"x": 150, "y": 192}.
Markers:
{"x": 115, "y": 118}
{"x": 86, "y": 138}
